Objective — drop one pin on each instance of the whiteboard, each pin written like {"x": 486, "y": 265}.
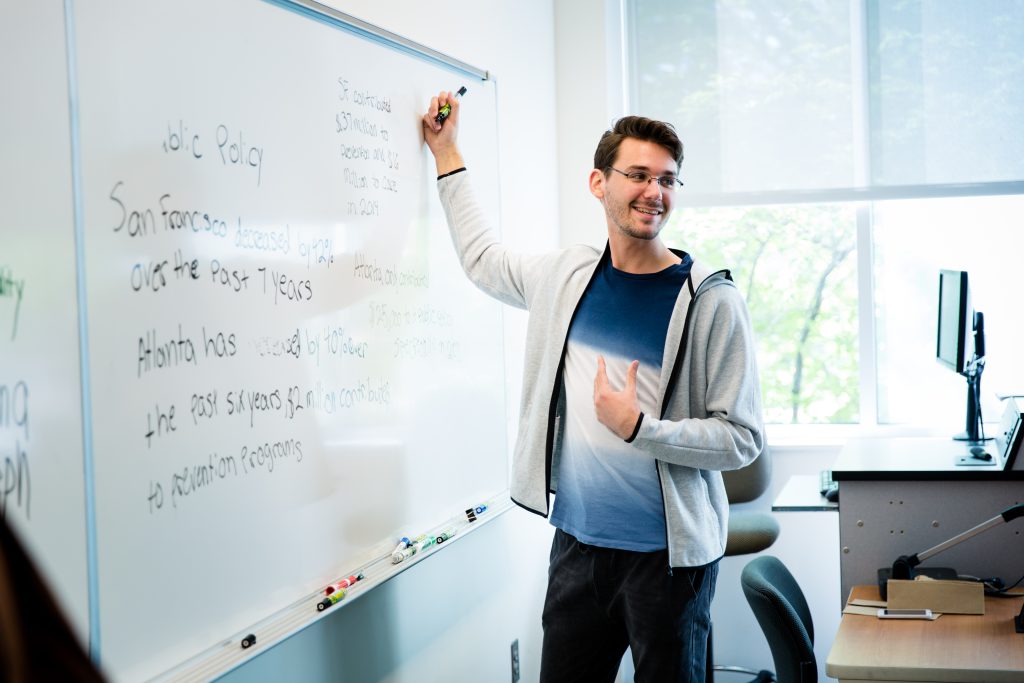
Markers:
{"x": 288, "y": 365}
{"x": 42, "y": 488}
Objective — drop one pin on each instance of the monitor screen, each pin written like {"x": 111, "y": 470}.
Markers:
{"x": 954, "y": 348}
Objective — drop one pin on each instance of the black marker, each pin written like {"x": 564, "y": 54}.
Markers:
{"x": 248, "y": 641}
{"x": 444, "y": 111}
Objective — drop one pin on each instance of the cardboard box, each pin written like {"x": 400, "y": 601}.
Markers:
{"x": 944, "y": 597}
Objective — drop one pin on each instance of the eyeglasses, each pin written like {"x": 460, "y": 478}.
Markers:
{"x": 666, "y": 182}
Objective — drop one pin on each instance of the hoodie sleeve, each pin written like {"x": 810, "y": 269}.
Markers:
{"x": 720, "y": 387}
{"x": 500, "y": 273}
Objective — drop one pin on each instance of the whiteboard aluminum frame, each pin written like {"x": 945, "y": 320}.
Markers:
{"x": 81, "y": 301}
{"x": 320, "y": 12}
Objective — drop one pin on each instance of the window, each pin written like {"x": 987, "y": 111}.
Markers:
{"x": 838, "y": 154}
{"x": 761, "y": 91}
{"x": 796, "y": 266}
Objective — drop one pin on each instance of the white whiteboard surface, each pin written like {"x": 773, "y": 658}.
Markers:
{"x": 265, "y": 255}
{"x": 42, "y": 491}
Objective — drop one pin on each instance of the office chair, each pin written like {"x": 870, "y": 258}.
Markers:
{"x": 781, "y": 610}
{"x": 749, "y": 532}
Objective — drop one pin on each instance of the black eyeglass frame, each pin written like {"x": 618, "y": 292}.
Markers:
{"x": 665, "y": 182}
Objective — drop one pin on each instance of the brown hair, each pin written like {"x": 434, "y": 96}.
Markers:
{"x": 641, "y": 128}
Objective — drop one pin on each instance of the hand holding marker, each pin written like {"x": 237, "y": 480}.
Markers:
{"x": 444, "y": 111}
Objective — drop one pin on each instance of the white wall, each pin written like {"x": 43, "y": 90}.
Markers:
{"x": 453, "y": 617}
{"x": 588, "y": 54}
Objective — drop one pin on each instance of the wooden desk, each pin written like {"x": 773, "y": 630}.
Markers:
{"x": 953, "y": 648}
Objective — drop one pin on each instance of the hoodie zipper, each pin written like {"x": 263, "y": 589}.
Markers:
{"x": 557, "y": 388}
{"x": 673, "y": 379}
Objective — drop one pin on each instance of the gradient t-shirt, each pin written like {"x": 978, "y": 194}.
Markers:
{"x": 609, "y": 493}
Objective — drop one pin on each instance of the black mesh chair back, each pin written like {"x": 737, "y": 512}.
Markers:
{"x": 781, "y": 610}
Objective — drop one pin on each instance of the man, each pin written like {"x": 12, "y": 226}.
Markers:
{"x": 639, "y": 387}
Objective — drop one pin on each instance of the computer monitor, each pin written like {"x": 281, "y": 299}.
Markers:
{"x": 955, "y": 344}
{"x": 961, "y": 344}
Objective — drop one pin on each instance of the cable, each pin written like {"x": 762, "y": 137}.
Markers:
{"x": 977, "y": 399}
{"x": 1013, "y": 585}
{"x": 994, "y": 586}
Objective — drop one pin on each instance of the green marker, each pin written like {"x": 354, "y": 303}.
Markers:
{"x": 444, "y": 111}
{"x": 331, "y": 599}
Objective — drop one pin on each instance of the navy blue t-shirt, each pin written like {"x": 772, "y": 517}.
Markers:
{"x": 608, "y": 490}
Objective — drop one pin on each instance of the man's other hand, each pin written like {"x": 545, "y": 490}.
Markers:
{"x": 616, "y": 410}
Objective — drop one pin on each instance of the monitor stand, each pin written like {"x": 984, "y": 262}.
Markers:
{"x": 972, "y": 433}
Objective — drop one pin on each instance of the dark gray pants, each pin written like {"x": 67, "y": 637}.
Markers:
{"x": 601, "y": 600}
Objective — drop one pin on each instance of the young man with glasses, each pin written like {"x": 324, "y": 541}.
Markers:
{"x": 639, "y": 387}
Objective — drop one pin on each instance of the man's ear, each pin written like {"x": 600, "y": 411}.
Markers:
{"x": 597, "y": 181}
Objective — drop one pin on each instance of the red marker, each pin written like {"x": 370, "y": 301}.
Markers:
{"x": 340, "y": 585}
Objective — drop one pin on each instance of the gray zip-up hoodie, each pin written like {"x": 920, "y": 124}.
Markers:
{"x": 710, "y": 402}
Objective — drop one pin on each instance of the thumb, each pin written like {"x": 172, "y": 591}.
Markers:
{"x": 631, "y": 378}
{"x": 601, "y": 379}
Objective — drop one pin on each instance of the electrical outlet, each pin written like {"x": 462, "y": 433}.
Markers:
{"x": 515, "y": 661}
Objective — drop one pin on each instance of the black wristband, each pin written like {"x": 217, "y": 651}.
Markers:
{"x": 636, "y": 430}
{"x": 458, "y": 170}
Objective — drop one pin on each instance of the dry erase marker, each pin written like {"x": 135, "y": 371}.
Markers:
{"x": 402, "y": 555}
{"x": 351, "y": 580}
{"x": 408, "y": 551}
{"x": 402, "y": 545}
{"x": 331, "y": 599}
{"x": 444, "y": 536}
{"x": 248, "y": 641}
{"x": 444, "y": 111}
{"x": 344, "y": 583}
{"x": 425, "y": 543}
{"x": 474, "y": 512}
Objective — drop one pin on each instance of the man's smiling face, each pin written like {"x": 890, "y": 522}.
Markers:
{"x": 638, "y": 210}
